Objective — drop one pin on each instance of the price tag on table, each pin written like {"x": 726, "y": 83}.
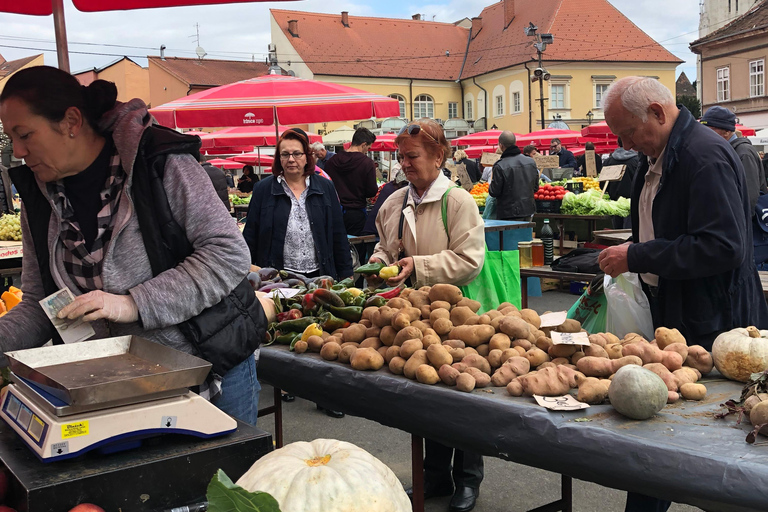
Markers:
{"x": 570, "y": 338}
{"x": 560, "y": 403}
{"x": 553, "y": 319}
{"x": 488, "y": 159}
{"x": 612, "y": 173}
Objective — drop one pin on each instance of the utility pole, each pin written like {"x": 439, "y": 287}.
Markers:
{"x": 540, "y": 74}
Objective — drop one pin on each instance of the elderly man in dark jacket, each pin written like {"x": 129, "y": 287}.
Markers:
{"x": 515, "y": 179}
{"x": 690, "y": 223}
{"x": 723, "y": 122}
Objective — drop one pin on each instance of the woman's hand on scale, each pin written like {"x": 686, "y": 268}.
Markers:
{"x": 97, "y": 305}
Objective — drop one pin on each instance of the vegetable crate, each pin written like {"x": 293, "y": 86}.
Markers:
{"x": 548, "y": 206}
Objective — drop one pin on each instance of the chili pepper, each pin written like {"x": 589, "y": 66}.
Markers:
{"x": 389, "y": 272}
{"x": 347, "y": 297}
{"x": 330, "y": 322}
{"x": 287, "y": 338}
{"x": 291, "y": 314}
{"x": 338, "y": 287}
{"x": 351, "y": 313}
{"x": 376, "y": 301}
{"x": 347, "y": 283}
{"x": 325, "y": 283}
{"x": 391, "y": 293}
{"x": 327, "y": 298}
{"x": 359, "y": 301}
{"x": 370, "y": 269}
{"x": 311, "y": 330}
{"x": 297, "y": 325}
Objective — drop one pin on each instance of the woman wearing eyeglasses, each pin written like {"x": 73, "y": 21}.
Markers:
{"x": 433, "y": 251}
{"x": 294, "y": 219}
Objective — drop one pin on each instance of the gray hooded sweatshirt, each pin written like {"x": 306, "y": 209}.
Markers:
{"x": 220, "y": 258}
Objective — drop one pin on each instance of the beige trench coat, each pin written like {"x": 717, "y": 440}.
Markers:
{"x": 436, "y": 259}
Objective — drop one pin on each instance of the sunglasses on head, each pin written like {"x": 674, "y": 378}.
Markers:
{"x": 414, "y": 129}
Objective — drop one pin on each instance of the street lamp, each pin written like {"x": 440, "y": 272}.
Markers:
{"x": 540, "y": 74}
{"x": 590, "y": 115}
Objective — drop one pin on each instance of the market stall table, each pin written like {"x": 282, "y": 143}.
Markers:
{"x": 547, "y": 273}
{"x": 500, "y": 226}
{"x": 10, "y": 260}
{"x": 561, "y": 218}
{"x": 682, "y": 454}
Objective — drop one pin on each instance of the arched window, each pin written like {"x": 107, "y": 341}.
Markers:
{"x": 423, "y": 106}
{"x": 402, "y": 103}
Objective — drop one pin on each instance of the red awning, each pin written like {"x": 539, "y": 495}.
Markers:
{"x": 248, "y": 136}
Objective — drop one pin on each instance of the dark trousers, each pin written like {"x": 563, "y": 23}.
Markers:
{"x": 354, "y": 221}
{"x": 467, "y": 466}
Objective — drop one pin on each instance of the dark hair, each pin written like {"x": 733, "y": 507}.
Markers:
{"x": 555, "y": 140}
{"x": 277, "y": 165}
{"x": 618, "y": 141}
{"x": 589, "y": 146}
{"x": 248, "y": 168}
{"x": 530, "y": 148}
{"x": 363, "y": 136}
{"x": 49, "y": 92}
{"x": 434, "y": 144}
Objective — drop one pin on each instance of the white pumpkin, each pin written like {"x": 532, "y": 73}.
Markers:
{"x": 740, "y": 353}
{"x": 326, "y": 475}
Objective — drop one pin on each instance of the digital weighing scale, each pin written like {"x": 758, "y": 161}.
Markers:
{"x": 107, "y": 394}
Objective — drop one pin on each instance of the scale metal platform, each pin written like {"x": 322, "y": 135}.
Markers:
{"x": 107, "y": 394}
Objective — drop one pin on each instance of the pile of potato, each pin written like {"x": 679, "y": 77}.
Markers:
{"x": 434, "y": 334}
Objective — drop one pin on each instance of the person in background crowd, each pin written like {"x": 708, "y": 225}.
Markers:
{"x": 434, "y": 250}
{"x": 385, "y": 191}
{"x": 460, "y": 157}
{"x": 397, "y": 166}
{"x": 81, "y": 202}
{"x": 566, "y": 157}
{"x": 6, "y": 192}
{"x": 623, "y": 187}
{"x": 229, "y": 178}
{"x": 581, "y": 161}
{"x": 354, "y": 175}
{"x": 723, "y": 122}
{"x": 531, "y": 151}
{"x": 690, "y": 223}
{"x": 219, "y": 180}
{"x": 515, "y": 180}
{"x": 246, "y": 181}
{"x": 321, "y": 154}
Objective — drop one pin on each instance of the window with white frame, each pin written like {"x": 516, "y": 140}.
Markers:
{"x": 453, "y": 110}
{"x": 499, "y": 102}
{"x": 557, "y": 96}
{"x": 468, "y": 109}
{"x": 756, "y": 78}
{"x": 723, "y": 84}
{"x": 401, "y": 100}
{"x": 599, "y": 93}
{"x": 517, "y": 104}
{"x": 423, "y": 106}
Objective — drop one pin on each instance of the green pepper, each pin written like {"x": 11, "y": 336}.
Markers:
{"x": 359, "y": 301}
{"x": 327, "y": 298}
{"x": 347, "y": 297}
{"x": 376, "y": 300}
{"x": 370, "y": 269}
{"x": 287, "y": 339}
{"x": 347, "y": 283}
{"x": 351, "y": 313}
{"x": 297, "y": 325}
{"x": 338, "y": 287}
{"x": 330, "y": 322}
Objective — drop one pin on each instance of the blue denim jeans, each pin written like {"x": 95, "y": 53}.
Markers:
{"x": 240, "y": 392}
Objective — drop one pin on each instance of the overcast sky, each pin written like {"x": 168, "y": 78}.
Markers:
{"x": 241, "y": 31}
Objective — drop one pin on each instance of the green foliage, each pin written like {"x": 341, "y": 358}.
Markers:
{"x": 225, "y": 496}
{"x": 691, "y": 103}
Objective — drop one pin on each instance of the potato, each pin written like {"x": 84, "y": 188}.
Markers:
{"x": 600, "y": 367}
{"x": 440, "y": 304}
{"x": 418, "y": 299}
{"x": 514, "y": 327}
{"x": 509, "y": 353}
{"x": 633, "y": 338}
{"x": 409, "y": 333}
{"x": 301, "y": 346}
{"x": 578, "y": 355}
{"x": 383, "y": 351}
{"x": 592, "y": 390}
{"x": 562, "y": 350}
{"x": 560, "y": 360}
{"x": 456, "y": 353}
{"x": 515, "y": 387}
{"x": 470, "y": 350}
{"x": 691, "y": 391}
{"x": 465, "y": 382}
{"x": 398, "y": 303}
{"x": 430, "y": 339}
{"x": 420, "y": 326}
{"x": 614, "y": 350}
{"x": 531, "y": 317}
{"x": 482, "y": 379}
{"x": 477, "y": 361}
{"x": 699, "y": 358}
{"x": 367, "y": 323}
{"x": 686, "y": 375}
{"x": 544, "y": 342}
{"x": 314, "y": 343}
{"x": 672, "y": 382}
{"x": 355, "y": 333}
{"x": 536, "y": 357}
{"x": 500, "y": 341}
{"x": 425, "y": 289}
{"x": 484, "y": 319}
{"x": 672, "y": 397}
{"x": 372, "y": 332}
{"x": 511, "y": 369}
{"x": 494, "y": 358}
{"x": 401, "y": 320}
{"x": 448, "y": 374}
{"x": 397, "y": 365}
{"x": 570, "y": 325}
{"x": 426, "y": 374}
{"x": 392, "y": 352}
{"x": 383, "y": 316}
{"x": 505, "y": 305}
{"x": 473, "y": 335}
{"x": 454, "y": 343}
{"x": 460, "y": 314}
{"x": 438, "y": 355}
{"x": 439, "y": 313}
{"x": 411, "y": 365}
{"x": 447, "y": 292}
{"x": 524, "y": 344}
{"x": 442, "y": 326}
{"x": 330, "y": 351}
{"x": 371, "y": 342}
{"x": 545, "y": 382}
{"x": 473, "y": 320}
{"x": 666, "y": 337}
{"x": 332, "y": 339}
{"x": 325, "y": 335}
{"x": 409, "y": 347}
{"x": 483, "y": 349}
{"x": 346, "y": 353}
{"x": 369, "y": 312}
{"x": 425, "y": 311}
{"x": 471, "y": 304}
{"x": 595, "y": 351}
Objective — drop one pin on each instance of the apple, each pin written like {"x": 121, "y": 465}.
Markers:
{"x": 84, "y": 507}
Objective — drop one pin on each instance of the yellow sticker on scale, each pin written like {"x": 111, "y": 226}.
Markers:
{"x": 74, "y": 429}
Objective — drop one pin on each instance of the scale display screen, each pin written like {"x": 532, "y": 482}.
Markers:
{"x": 25, "y": 418}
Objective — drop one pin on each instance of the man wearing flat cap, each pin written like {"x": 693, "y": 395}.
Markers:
{"x": 723, "y": 122}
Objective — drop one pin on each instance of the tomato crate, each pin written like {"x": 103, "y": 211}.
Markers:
{"x": 548, "y": 206}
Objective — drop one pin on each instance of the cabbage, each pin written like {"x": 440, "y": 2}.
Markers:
{"x": 593, "y": 202}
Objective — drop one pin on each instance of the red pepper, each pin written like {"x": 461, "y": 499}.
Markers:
{"x": 391, "y": 294}
{"x": 291, "y": 314}
{"x": 308, "y": 302}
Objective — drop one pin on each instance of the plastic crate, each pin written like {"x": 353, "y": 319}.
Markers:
{"x": 548, "y": 206}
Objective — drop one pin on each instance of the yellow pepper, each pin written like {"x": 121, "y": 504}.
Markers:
{"x": 311, "y": 330}
{"x": 389, "y": 272}
{"x": 355, "y": 291}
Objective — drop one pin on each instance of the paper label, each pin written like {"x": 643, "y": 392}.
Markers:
{"x": 589, "y": 162}
{"x": 463, "y": 175}
{"x": 612, "y": 173}
{"x": 569, "y": 338}
{"x": 547, "y": 161}
{"x": 71, "y": 331}
{"x": 560, "y": 403}
{"x": 555, "y": 319}
{"x": 285, "y": 293}
{"x": 69, "y": 430}
{"x": 488, "y": 159}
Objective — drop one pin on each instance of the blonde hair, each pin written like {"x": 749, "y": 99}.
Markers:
{"x": 459, "y": 154}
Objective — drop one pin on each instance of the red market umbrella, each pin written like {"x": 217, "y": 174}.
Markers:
{"x": 598, "y": 130}
{"x": 226, "y": 164}
{"x": 384, "y": 142}
{"x": 745, "y": 132}
{"x": 248, "y": 136}
{"x": 477, "y": 151}
{"x": 543, "y": 137}
{"x": 235, "y": 150}
{"x": 271, "y": 99}
{"x": 253, "y": 159}
{"x": 478, "y": 139}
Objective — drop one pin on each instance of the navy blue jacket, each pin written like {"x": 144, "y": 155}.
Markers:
{"x": 567, "y": 159}
{"x": 267, "y": 221}
{"x": 702, "y": 252}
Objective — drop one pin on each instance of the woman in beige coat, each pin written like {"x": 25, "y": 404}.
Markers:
{"x": 428, "y": 255}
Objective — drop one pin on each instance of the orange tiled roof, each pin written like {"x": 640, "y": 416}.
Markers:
{"x": 12, "y": 66}
{"x": 210, "y": 72}
{"x": 584, "y": 30}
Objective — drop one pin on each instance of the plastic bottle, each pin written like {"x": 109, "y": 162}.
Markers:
{"x": 547, "y": 237}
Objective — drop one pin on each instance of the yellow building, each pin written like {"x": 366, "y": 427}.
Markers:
{"x": 131, "y": 80}
{"x": 481, "y": 69}
{"x": 9, "y": 67}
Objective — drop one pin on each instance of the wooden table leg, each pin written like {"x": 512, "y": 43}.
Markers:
{"x": 278, "y": 398}
{"x": 417, "y": 472}
{"x": 524, "y": 291}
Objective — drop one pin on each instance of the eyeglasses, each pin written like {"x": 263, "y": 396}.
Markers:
{"x": 287, "y": 156}
{"x": 414, "y": 129}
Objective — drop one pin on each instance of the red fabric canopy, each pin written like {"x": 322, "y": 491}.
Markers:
{"x": 256, "y": 101}
{"x": 44, "y": 8}
{"x": 226, "y": 164}
{"x": 248, "y": 136}
{"x": 479, "y": 138}
{"x": 746, "y": 132}
{"x": 384, "y": 142}
{"x": 254, "y": 158}
{"x": 235, "y": 150}
{"x": 477, "y": 151}
{"x": 545, "y": 136}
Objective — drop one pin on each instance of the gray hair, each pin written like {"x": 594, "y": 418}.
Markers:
{"x": 316, "y": 146}
{"x": 507, "y": 139}
{"x": 637, "y": 93}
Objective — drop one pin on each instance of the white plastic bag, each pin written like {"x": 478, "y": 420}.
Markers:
{"x": 627, "y": 309}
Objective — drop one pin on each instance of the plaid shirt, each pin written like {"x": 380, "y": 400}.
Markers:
{"x": 82, "y": 265}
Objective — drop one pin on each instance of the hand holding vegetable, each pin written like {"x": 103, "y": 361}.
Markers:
{"x": 372, "y": 276}
{"x": 407, "y": 267}
{"x": 613, "y": 260}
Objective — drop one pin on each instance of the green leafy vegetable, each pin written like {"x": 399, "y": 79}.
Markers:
{"x": 225, "y": 496}
{"x": 593, "y": 202}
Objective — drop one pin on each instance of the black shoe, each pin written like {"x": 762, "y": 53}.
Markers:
{"x": 329, "y": 412}
{"x": 287, "y": 397}
{"x": 463, "y": 499}
{"x": 432, "y": 490}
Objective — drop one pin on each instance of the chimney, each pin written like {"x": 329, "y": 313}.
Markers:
{"x": 416, "y": 17}
{"x": 293, "y": 27}
{"x": 509, "y": 12}
{"x": 345, "y": 18}
{"x": 477, "y": 26}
